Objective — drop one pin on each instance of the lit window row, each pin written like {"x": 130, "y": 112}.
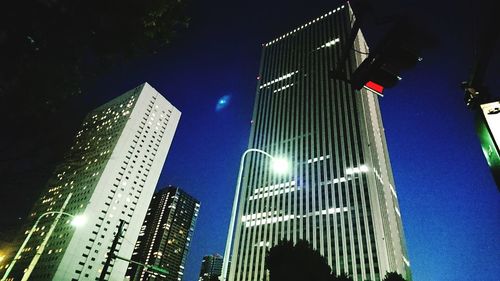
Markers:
{"x": 329, "y": 44}
{"x": 263, "y": 243}
{"x": 355, "y": 170}
{"x": 288, "y": 75}
{"x": 305, "y": 25}
{"x": 269, "y": 220}
{"x": 316, "y": 159}
{"x": 261, "y": 218}
{"x": 283, "y": 88}
{"x": 272, "y": 193}
{"x": 274, "y": 187}
{"x": 331, "y": 211}
{"x": 257, "y": 216}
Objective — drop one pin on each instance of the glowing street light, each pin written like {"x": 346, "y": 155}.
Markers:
{"x": 76, "y": 221}
{"x": 279, "y": 166}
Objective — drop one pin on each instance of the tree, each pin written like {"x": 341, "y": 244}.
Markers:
{"x": 393, "y": 276}
{"x": 342, "y": 277}
{"x": 299, "y": 262}
{"x": 51, "y": 47}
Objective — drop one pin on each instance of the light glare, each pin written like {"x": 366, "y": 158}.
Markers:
{"x": 78, "y": 220}
{"x": 280, "y": 165}
{"x": 363, "y": 168}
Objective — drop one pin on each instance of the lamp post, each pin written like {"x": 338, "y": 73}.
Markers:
{"x": 280, "y": 166}
{"x": 77, "y": 220}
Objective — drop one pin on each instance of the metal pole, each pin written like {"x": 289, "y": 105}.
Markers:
{"x": 111, "y": 253}
{"x": 18, "y": 254}
{"x": 41, "y": 248}
{"x": 30, "y": 233}
{"x": 230, "y": 231}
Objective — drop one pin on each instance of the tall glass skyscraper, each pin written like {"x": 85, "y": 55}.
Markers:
{"x": 211, "y": 268}
{"x": 339, "y": 194}
{"x": 109, "y": 175}
{"x": 165, "y": 236}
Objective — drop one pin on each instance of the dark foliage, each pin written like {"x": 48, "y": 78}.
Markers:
{"x": 48, "y": 47}
{"x": 342, "y": 277}
{"x": 299, "y": 262}
{"x": 393, "y": 276}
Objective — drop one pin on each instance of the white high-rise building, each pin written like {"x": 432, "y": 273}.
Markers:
{"x": 339, "y": 194}
{"x": 109, "y": 175}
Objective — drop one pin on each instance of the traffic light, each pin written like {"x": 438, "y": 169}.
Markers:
{"x": 400, "y": 49}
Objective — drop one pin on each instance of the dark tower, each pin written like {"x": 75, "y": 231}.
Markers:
{"x": 165, "y": 235}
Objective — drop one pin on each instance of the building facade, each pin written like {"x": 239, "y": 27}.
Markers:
{"x": 109, "y": 175}
{"x": 339, "y": 194}
{"x": 165, "y": 235}
{"x": 211, "y": 268}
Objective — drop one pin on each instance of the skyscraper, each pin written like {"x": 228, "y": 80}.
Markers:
{"x": 108, "y": 175}
{"x": 211, "y": 267}
{"x": 165, "y": 235}
{"x": 339, "y": 194}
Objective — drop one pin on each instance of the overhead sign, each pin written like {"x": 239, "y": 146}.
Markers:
{"x": 488, "y": 130}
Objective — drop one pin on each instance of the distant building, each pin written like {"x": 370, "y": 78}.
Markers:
{"x": 108, "y": 175}
{"x": 211, "y": 267}
{"x": 339, "y": 194}
{"x": 165, "y": 235}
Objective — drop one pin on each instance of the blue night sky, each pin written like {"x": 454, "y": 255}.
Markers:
{"x": 449, "y": 202}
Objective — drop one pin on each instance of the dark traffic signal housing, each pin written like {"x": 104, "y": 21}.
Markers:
{"x": 400, "y": 49}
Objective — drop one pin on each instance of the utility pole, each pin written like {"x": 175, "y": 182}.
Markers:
{"x": 111, "y": 253}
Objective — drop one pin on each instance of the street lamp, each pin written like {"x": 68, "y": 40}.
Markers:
{"x": 77, "y": 220}
{"x": 279, "y": 166}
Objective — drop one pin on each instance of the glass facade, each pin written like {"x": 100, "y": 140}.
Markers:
{"x": 211, "y": 268}
{"x": 340, "y": 193}
{"x": 165, "y": 235}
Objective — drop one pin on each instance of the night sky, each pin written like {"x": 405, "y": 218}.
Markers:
{"x": 449, "y": 203}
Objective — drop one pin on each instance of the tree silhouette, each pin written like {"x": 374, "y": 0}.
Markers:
{"x": 49, "y": 47}
{"x": 299, "y": 262}
{"x": 342, "y": 277}
{"x": 393, "y": 276}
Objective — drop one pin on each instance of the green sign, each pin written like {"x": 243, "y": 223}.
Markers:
{"x": 158, "y": 269}
{"x": 488, "y": 131}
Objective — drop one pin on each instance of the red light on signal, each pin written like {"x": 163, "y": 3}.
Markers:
{"x": 374, "y": 87}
